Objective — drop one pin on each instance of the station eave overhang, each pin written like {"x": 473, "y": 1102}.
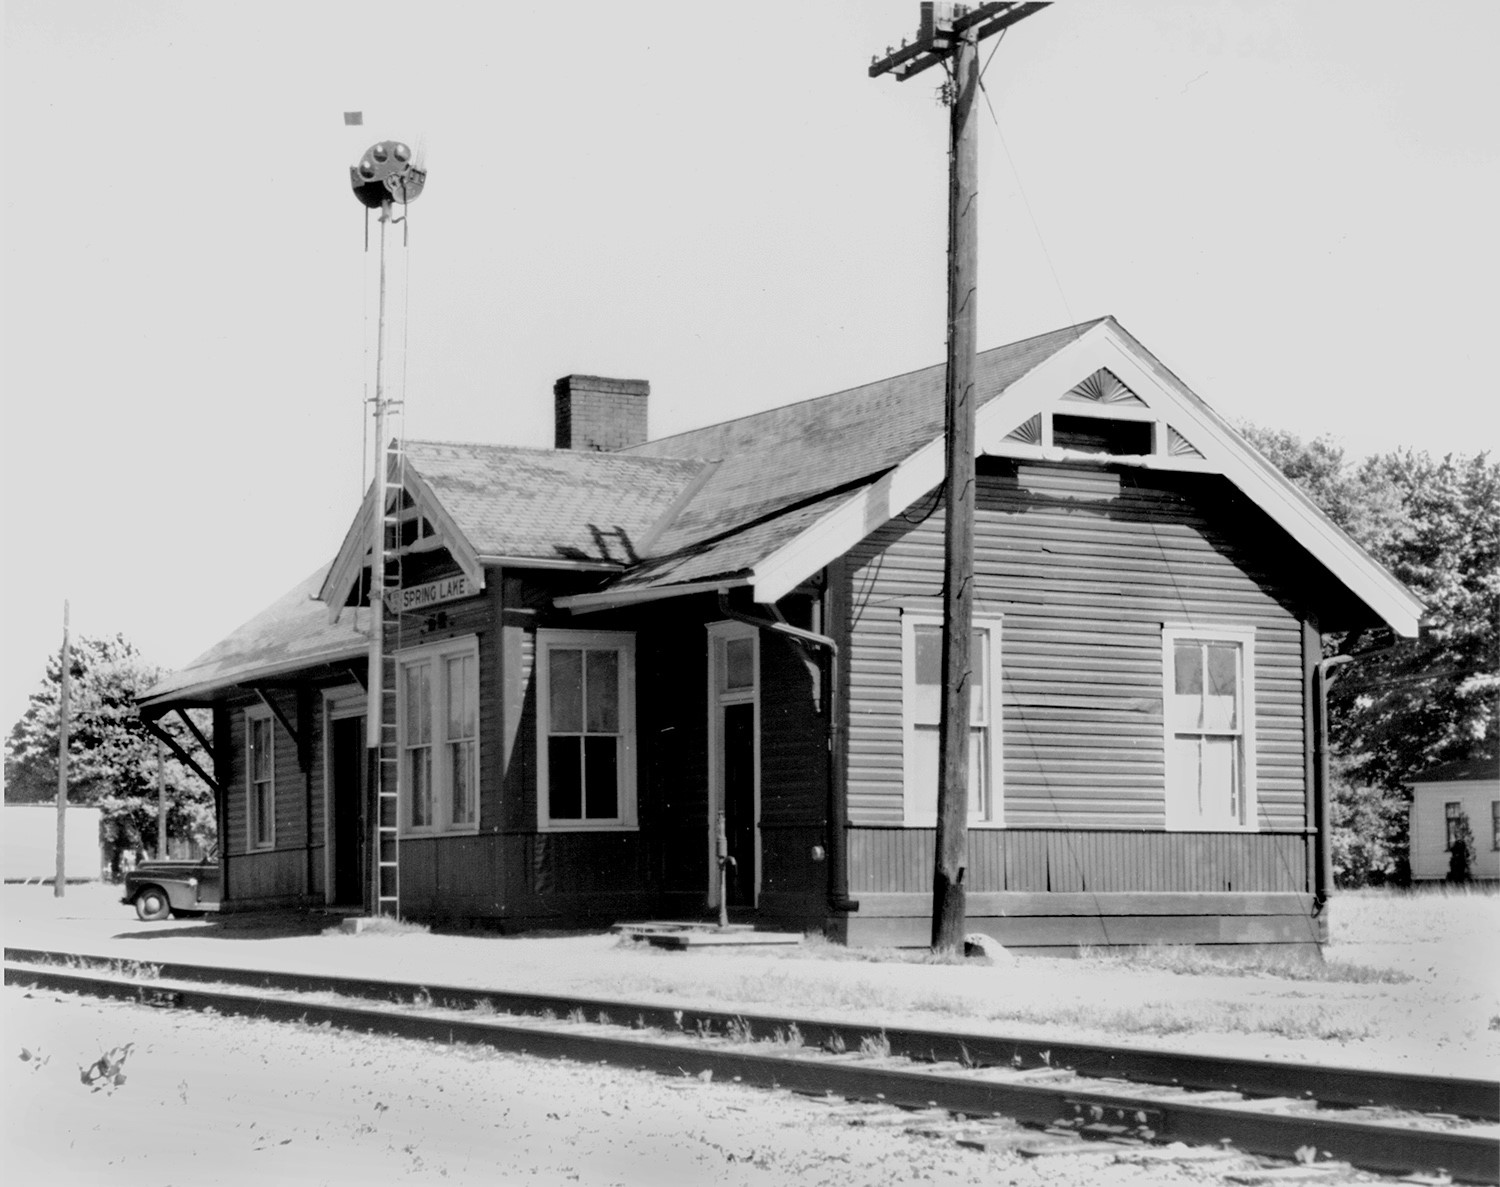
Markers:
{"x": 205, "y": 692}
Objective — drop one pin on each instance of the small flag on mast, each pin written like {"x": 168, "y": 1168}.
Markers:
{"x": 354, "y": 119}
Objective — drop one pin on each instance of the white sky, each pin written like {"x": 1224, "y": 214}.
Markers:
{"x": 1292, "y": 204}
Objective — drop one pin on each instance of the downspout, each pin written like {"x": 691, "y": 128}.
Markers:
{"x": 838, "y": 855}
{"x": 1322, "y": 821}
{"x": 1323, "y": 886}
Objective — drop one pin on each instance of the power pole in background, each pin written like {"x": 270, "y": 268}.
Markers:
{"x": 952, "y": 33}
{"x": 60, "y": 879}
{"x": 161, "y": 802}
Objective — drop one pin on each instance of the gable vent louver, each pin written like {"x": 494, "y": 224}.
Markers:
{"x": 1029, "y": 431}
{"x": 1104, "y": 387}
{"x": 1180, "y": 446}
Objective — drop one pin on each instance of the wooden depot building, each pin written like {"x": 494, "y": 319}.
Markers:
{"x": 595, "y": 649}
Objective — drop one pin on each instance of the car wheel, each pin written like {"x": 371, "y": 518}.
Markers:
{"x": 151, "y": 904}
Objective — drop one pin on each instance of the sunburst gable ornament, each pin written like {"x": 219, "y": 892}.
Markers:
{"x": 1103, "y": 387}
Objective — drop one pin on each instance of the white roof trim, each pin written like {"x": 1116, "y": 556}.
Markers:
{"x": 537, "y": 562}
{"x": 355, "y": 551}
{"x": 1224, "y": 451}
{"x": 609, "y": 599}
{"x": 211, "y": 684}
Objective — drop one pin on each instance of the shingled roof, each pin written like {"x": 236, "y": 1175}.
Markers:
{"x": 765, "y": 499}
{"x": 551, "y": 503}
{"x": 781, "y": 458}
{"x": 291, "y": 634}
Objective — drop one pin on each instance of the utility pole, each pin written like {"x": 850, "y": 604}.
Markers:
{"x": 952, "y": 33}
{"x": 161, "y": 802}
{"x": 60, "y": 878}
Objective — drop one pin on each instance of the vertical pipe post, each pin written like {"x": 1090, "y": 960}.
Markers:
{"x": 60, "y": 878}
{"x": 375, "y": 678}
{"x": 161, "y": 802}
{"x": 958, "y": 551}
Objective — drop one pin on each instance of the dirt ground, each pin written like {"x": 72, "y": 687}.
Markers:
{"x": 215, "y": 1100}
{"x": 211, "y": 1100}
{"x": 1443, "y": 1018}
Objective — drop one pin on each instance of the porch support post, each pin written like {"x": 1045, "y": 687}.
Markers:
{"x": 304, "y": 760}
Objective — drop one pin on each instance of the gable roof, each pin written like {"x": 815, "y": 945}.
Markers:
{"x": 291, "y": 634}
{"x": 1485, "y": 768}
{"x": 888, "y": 437}
{"x": 544, "y": 506}
{"x": 782, "y": 457}
{"x": 768, "y": 500}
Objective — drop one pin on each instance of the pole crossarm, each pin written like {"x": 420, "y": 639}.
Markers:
{"x": 937, "y": 38}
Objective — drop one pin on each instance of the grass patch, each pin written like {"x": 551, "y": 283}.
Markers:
{"x": 1423, "y": 914}
{"x": 1186, "y": 960}
{"x": 383, "y": 925}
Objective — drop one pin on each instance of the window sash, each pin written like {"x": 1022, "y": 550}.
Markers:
{"x": 1453, "y": 811}
{"x": 585, "y": 730}
{"x": 1208, "y": 706}
{"x": 438, "y": 711}
{"x": 922, "y": 713}
{"x": 260, "y": 803}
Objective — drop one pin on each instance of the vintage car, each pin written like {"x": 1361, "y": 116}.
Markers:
{"x": 161, "y": 888}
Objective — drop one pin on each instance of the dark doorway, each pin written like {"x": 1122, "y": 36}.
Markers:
{"x": 739, "y": 800}
{"x": 347, "y": 775}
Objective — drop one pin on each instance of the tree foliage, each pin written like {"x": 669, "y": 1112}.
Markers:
{"x": 112, "y": 759}
{"x": 1406, "y": 705}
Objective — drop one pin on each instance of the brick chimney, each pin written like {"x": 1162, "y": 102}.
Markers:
{"x": 594, "y": 412}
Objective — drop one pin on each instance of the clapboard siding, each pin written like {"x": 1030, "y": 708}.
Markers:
{"x": 291, "y": 800}
{"x": 900, "y": 860}
{"x": 1084, "y": 564}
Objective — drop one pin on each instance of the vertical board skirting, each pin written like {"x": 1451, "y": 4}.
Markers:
{"x": 900, "y": 860}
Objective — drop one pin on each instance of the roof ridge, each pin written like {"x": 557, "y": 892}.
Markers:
{"x": 1079, "y": 330}
{"x": 553, "y": 451}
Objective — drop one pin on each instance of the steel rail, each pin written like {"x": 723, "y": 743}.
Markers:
{"x": 1328, "y": 1085}
{"x": 1162, "y": 1115}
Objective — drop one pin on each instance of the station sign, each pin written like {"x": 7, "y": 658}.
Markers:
{"x": 417, "y": 598}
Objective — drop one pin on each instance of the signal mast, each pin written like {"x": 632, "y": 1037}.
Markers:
{"x": 388, "y": 174}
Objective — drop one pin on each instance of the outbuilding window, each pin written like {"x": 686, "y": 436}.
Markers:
{"x": 437, "y": 706}
{"x": 1209, "y": 702}
{"x": 922, "y": 700}
{"x": 1453, "y": 822}
{"x": 585, "y": 683}
{"x": 260, "y": 806}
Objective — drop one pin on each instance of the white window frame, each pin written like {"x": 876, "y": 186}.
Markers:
{"x": 987, "y": 717}
{"x": 720, "y": 634}
{"x": 436, "y": 655}
{"x": 1180, "y": 815}
{"x": 252, "y": 813}
{"x": 622, "y": 642}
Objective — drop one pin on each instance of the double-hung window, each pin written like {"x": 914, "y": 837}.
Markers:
{"x": 922, "y": 700}
{"x": 1209, "y": 711}
{"x": 260, "y": 807}
{"x": 585, "y": 683}
{"x": 1453, "y": 823}
{"x": 438, "y": 711}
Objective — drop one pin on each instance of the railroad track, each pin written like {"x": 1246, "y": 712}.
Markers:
{"x": 1126, "y": 1097}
